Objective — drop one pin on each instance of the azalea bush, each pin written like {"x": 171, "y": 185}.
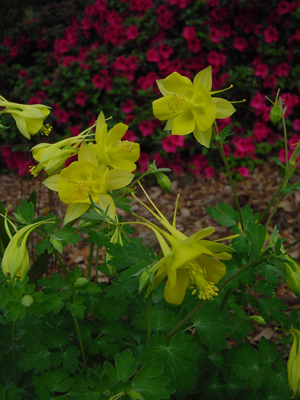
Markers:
{"x": 77, "y": 56}
{"x": 171, "y": 324}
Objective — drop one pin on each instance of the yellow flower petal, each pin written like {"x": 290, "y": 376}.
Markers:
{"x": 205, "y": 78}
{"x": 203, "y": 137}
{"x": 75, "y": 211}
{"x": 176, "y": 286}
{"x": 224, "y": 108}
{"x": 117, "y": 179}
{"x": 176, "y": 83}
{"x": 183, "y": 124}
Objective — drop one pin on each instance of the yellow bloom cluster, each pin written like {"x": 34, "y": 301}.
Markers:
{"x": 105, "y": 162}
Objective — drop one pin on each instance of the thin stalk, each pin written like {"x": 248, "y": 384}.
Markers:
{"x": 149, "y": 315}
{"x": 292, "y": 166}
{"x": 285, "y": 142}
{"x": 292, "y": 244}
{"x": 220, "y": 146}
{"x": 14, "y": 351}
{"x": 90, "y": 261}
{"x": 96, "y": 264}
{"x": 225, "y": 298}
{"x": 60, "y": 262}
{"x": 81, "y": 344}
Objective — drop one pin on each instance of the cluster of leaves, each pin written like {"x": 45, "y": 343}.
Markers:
{"x": 77, "y": 338}
{"x": 78, "y": 57}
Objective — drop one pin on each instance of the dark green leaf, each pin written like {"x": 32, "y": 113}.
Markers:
{"x": 125, "y": 367}
{"x": 37, "y": 358}
{"x": 225, "y": 215}
{"x": 150, "y": 382}
{"x": 271, "y": 308}
{"x": 177, "y": 357}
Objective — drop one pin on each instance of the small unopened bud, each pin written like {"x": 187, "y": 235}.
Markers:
{"x": 164, "y": 182}
{"x": 292, "y": 277}
{"x": 275, "y": 114}
{"x": 81, "y": 281}
{"x": 293, "y": 364}
{"x": 27, "y": 300}
{"x": 258, "y": 319}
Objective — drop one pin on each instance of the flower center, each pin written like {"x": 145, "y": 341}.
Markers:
{"x": 206, "y": 290}
{"x": 126, "y": 146}
{"x": 81, "y": 192}
{"x": 176, "y": 102}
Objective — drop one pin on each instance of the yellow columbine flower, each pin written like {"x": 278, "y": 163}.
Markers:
{"x": 86, "y": 178}
{"x": 52, "y": 157}
{"x": 110, "y": 149}
{"x": 188, "y": 261}
{"x": 15, "y": 262}
{"x": 293, "y": 364}
{"x": 189, "y": 107}
{"x": 29, "y": 118}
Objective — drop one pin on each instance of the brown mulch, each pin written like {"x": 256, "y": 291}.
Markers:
{"x": 196, "y": 195}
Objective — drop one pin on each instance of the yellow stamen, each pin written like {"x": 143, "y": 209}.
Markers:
{"x": 125, "y": 145}
{"x": 206, "y": 290}
{"x": 46, "y": 129}
{"x": 81, "y": 192}
{"x": 176, "y": 102}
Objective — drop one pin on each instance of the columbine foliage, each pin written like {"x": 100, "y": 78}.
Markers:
{"x": 169, "y": 324}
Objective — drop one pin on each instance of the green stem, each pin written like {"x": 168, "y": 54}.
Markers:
{"x": 225, "y": 298}
{"x": 220, "y": 146}
{"x": 292, "y": 244}
{"x": 90, "y": 261}
{"x": 292, "y": 166}
{"x": 81, "y": 344}
{"x": 14, "y": 351}
{"x": 96, "y": 264}
{"x": 60, "y": 262}
{"x": 149, "y": 315}
{"x": 285, "y": 143}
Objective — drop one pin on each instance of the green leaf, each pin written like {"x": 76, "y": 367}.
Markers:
{"x": 11, "y": 393}
{"x": 125, "y": 367}
{"x": 225, "y": 215}
{"x": 278, "y": 162}
{"x": 37, "y": 358}
{"x": 25, "y": 213}
{"x": 247, "y": 367}
{"x": 67, "y": 234}
{"x": 163, "y": 319}
{"x": 68, "y": 359}
{"x": 51, "y": 382}
{"x": 15, "y": 310}
{"x": 177, "y": 357}
{"x": 213, "y": 326}
{"x": 53, "y": 303}
{"x": 272, "y": 309}
{"x": 151, "y": 384}
{"x": 256, "y": 235}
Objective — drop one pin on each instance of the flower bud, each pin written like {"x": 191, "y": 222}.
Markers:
{"x": 293, "y": 364}
{"x": 27, "y": 300}
{"x": 292, "y": 276}
{"x": 275, "y": 114}
{"x": 81, "y": 281}
{"x": 163, "y": 181}
{"x": 15, "y": 262}
{"x": 29, "y": 118}
{"x": 258, "y": 319}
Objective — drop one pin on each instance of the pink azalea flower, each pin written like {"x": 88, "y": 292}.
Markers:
{"x": 244, "y": 171}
